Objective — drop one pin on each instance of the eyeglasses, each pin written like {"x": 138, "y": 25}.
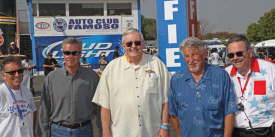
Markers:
{"x": 130, "y": 43}
{"x": 232, "y": 55}
{"x": 19, "y": 71}
{"x": 74, "y": 53}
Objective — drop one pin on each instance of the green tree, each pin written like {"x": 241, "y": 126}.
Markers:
{"x": 220, "y": 35}
{"x": 264, "y": 29}
{"x": 254, "y": 32}
{"x": 148, "y": 28}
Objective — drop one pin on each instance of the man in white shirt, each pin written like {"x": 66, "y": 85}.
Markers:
{"x": 16, "y": 106}
{"x": 254, "y": 84}
{"x": 28, "y": 66}
{"x": 215, "y": 58}
{"x": 132, "y": 92}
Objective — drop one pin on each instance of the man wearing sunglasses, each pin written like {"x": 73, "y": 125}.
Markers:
{"x": 201, "y": 98}
{"x": 132, "y": 92}
{"x": 66, "y": 107}
{"x": 254, "y": 84}
{"x": 16, "y": 106}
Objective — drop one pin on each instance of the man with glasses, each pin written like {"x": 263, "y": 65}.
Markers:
{"x": 202, "y": 100}
{"x": 66, "y": 107}
{"x": 16, "y": 106}
{"x": 132, "y": 92}
{"x": 254, "y": 83}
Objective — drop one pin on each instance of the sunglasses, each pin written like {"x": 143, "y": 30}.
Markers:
{"x": 232, "y": 55}
{"x": 74, "y": 53}
{"x": 19, "y": 71}
{"x": 130, "y": 43}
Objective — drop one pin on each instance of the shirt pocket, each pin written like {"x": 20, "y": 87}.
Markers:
{"x": 260, "y": 87}
{"x": 151, "y": 83}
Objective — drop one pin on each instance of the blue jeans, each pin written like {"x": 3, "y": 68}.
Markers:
{"x": 59, "y": 131}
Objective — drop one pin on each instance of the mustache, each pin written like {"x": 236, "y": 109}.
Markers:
{"x": 192, "y": 63}
{"x": 237, "y": 60}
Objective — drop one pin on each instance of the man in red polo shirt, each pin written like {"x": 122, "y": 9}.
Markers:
{"x": 254, "y": 84}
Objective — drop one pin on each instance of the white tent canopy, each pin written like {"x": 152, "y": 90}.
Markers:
{"x": 216, "y": 46}
{"x": 266, "y": 44}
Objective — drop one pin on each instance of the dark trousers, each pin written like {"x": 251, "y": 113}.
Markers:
{"x": 258, "y": 132}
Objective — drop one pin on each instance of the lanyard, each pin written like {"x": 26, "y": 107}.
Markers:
{"x": 20, "y": 112}
{"x": 245, "y": 85}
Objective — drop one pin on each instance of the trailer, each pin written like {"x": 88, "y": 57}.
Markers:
{"x": 266, "y": 50}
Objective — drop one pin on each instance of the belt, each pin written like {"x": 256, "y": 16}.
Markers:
{"x": 250, "y": 130}
{"x": 78, "y": 125}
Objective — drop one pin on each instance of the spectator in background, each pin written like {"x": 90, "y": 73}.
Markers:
{"x": 49, "y": 64}
{"x": 214, "y": 58}
{"x": 84, "y": 63}
{"x": 103, "y": 62}
{"x": 116, "y": 52}
{"x": 13, "y": 49}
{"x": 28, "y": 66}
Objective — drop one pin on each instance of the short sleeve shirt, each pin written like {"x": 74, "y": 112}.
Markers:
{"x": 10, "y": 122}
{"x": 259, "y": 97}
{"x": 201, "y": 107}
{"x": 134, "y": 94}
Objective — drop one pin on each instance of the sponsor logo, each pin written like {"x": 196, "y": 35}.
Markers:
{"x": 42, "y": 25}
{"x": 96, "y": 24}
{"x": 60, "y": 25}
{"x": 88, "y": 49}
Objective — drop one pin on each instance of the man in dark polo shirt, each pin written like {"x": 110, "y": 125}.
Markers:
{"x": 49, "y": 64}
{"x": 66, "y": 107}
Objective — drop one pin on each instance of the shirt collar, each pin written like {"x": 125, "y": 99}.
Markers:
{"x": 127, "y": 65}
{"x": 254, "y": 67}
{"x": 205, "y": 74}
{"x": 66, "y": 73}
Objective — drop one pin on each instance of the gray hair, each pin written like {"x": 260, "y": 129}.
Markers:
{"x": 72, "y": 40}
{"x": 10, "y": 59}
{"x": 237, "y": 38}
{"x": 193, "y": 42}
{"x": 130, "y": 31}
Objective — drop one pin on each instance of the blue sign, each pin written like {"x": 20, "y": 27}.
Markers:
{"x": 172, "y": 29}
{"x": 93, "y": 47}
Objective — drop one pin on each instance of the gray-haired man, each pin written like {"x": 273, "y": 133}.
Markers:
{"x": 66, "y": 107}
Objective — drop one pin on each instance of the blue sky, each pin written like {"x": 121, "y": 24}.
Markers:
{"x": 223, "y": 15}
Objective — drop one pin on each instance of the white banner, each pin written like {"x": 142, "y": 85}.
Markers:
{"x": 76, "y": 26}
